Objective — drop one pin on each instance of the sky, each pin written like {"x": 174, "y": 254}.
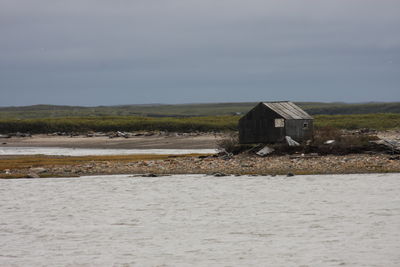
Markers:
{"x": 112, "y": 52}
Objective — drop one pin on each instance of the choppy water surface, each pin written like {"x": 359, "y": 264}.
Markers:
{"x": 60, "y": 151}
{"x": 348, "y": 220}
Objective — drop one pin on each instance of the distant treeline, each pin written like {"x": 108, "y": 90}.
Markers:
{"x": 186, "y": 110}
{"x": 191, "y": 124}
{"x": 346, "y": 109}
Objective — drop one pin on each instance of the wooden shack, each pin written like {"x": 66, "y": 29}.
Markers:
{"x": 270, "y": 122}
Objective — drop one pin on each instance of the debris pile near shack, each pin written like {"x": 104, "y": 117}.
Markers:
{"x": 389, "y": 146}
{"x": 339, "y": 143}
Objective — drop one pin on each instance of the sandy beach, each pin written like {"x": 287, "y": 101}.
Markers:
{"x": 172, "y": 141}
{"x": 153, "y": 141}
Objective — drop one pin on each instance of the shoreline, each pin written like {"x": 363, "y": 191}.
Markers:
{"x": 158, "y": 165}
{"x": 42, "y": 166}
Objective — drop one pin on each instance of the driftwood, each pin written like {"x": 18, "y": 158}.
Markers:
{"x": 291, "y": 142}
{"x": 390, "y": 146}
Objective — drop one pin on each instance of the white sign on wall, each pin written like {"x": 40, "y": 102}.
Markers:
{"x": 279, "y": 123}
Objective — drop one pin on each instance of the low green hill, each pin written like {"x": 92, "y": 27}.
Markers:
{"x": 187, "y": 110}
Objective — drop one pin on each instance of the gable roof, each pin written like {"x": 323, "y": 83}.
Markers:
{"x": 288, "y": 110}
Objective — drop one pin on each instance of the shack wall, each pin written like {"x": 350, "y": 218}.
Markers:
{"x": 299, "y": 130}
{"x": 258, "y": 126}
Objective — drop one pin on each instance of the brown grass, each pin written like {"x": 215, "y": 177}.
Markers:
{"x": 23, "y": 162}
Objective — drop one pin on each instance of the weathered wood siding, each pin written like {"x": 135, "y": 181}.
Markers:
{"x": 258, "y": 126}
{"x": 296, "y": 130}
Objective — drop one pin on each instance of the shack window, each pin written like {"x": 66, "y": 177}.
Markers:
{"x": 305, "y": 125}
{"x": 279, "y": 123}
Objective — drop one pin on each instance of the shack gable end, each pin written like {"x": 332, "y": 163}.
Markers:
{"x": 260, "y": 111}
{"x": 259, "y": 125}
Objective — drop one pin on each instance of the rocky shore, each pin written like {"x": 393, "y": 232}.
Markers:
{"x": 203, "y": 164}
{"x": 245, "y": 163}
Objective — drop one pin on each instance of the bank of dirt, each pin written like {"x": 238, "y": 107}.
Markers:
{"x": 46, "y": 166}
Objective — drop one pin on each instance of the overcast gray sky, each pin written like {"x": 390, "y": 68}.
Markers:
{"x": 108, "y": 52}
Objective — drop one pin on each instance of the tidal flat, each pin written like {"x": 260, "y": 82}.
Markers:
{"x": 200, "y": 220}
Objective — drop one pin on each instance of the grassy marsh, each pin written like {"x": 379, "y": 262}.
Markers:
{"x": 383, "y": 121}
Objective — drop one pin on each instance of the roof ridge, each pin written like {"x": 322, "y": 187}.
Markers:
{"x": 277, "y": 101}
{"x": 287, "y": 110}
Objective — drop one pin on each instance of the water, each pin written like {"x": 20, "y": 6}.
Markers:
{"x": 186, "y": 220}
{"x": 59, "y": 151}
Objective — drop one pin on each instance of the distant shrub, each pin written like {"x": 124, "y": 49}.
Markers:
{"x": 230, "y": 143}
{"x": 326, "y": 133}
{"x": 344, "y": 143}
